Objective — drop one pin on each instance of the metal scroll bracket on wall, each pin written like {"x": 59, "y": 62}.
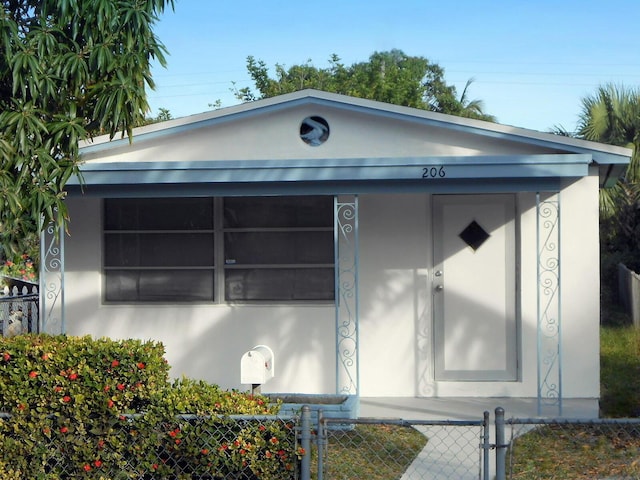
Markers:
{"x": 549, "y": 332}
{"x": 52, "y": 306}
{"x": 346, "y": 293}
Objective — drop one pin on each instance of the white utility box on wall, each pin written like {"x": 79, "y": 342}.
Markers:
{"x": 257, "y": 366}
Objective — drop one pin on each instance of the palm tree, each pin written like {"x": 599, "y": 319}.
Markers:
{"x": 472, "y": 108}
{"x": 612, "y": 116}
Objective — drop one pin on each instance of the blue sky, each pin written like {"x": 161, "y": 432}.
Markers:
{"x": 532, "y": 60}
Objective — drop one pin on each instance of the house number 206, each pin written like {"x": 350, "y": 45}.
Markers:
{"x": 434, "y": 172}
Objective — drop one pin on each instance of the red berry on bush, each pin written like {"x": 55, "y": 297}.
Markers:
{"x": 66, "y": 399}
{"x": 33, "y": 374}
{"x": 64, "y": 429}
{"x": 141, "y": 366}
{"x": 73, "y": 376}
{"x": 120, "y": 386}
{"x": 115, "y": 363}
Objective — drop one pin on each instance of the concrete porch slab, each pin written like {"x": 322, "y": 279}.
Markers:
{"x": 472, "y": 408}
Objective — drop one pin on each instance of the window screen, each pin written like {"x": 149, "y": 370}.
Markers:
{"x": 159, "y": 250}
{"x": 259, "y": 248}
{"x": 278, "y": 248}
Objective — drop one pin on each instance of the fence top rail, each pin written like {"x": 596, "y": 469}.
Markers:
{"x": 191, "y": 417}
{"x": 19, "y": 298}
{"x": 402, "y": 422}
{"x": 568, "y": 421}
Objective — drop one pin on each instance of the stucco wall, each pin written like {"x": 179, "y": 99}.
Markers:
{"x": 396, "y": 345}
{"x": 275, "y": 135}
{"x": 202, "y": 341}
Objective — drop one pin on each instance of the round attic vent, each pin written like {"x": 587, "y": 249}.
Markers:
{"x": 314, "y": 131}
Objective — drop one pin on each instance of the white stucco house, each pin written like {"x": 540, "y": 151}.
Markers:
{"x": 378, "y": 250}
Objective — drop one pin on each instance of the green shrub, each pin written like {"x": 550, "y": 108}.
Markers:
{"x": 81, "y": 408}
{"x": 202, "y": 398}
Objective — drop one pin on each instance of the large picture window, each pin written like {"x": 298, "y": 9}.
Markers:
{"x": 219, "y": 249}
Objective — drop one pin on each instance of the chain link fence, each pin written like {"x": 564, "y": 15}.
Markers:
{"x": 283, "y": 448}
{"x": 573, "y": 449}
{"x": 485, "y": 449}
{"x": 147, "y": 448}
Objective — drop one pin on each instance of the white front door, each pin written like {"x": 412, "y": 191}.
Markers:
{"x": 474, "y": 287}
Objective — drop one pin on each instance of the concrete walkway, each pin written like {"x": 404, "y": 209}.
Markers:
{"x": 454, "y": 451}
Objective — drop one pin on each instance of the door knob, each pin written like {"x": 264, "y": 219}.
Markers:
{"x": 439, "y": 288}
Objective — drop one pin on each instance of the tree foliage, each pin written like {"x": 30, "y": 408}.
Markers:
{"x": 391, "y": 77}
{"x": 612, "y": 115}
{"x": 69, "y": 69}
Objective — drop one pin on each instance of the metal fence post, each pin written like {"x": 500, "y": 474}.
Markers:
{"x": 321, "y": 442}
{"x": 501, "y": 447}
{"x": 305, "y": 439}
{"x": 485, "y": 447}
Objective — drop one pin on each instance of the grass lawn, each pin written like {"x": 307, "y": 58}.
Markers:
{"x": 582, "y": 452}
{"x": 374, "y": 452}
{"x": 620, "y": 372}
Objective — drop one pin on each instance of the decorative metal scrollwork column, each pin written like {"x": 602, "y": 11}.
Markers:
{"x": 549, "y": 332}
{"x": 346, "y": 284}
{"x": 52, "y": 281}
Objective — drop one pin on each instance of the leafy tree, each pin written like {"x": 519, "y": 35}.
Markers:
{"x": 163, "y": 115}
{"x": 391, "y": 77}
{"x": 612, "y": 115}
{"x": 69, "y": 69}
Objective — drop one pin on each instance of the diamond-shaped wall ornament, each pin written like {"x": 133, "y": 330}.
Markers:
{"x": 474, "y": 235}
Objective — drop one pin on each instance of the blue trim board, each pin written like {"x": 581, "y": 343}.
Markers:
{"x": 462, "y": 186}
{"x": 425, "y": 170}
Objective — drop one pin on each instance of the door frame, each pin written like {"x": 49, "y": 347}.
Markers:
{"x": 512, "y": 284}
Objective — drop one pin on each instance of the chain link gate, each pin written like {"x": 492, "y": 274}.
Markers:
{"x": 434, "y": 449}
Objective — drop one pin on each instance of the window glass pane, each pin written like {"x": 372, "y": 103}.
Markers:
{"x": 279, "y": 284}
{"x": 159, "y": 285}
{"x": 158, "y": 214}
{"x": 269, "y": 248}
{"x": 262, "y": 212}
{"x": 158, "y": 250}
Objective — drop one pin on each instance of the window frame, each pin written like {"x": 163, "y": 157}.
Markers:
{"x": 219, "y": 267}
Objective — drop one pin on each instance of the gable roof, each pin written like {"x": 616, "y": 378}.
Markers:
{"x": 371, "y": 142}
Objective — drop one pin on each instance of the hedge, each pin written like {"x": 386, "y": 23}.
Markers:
{"x": 77, "y": 407}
